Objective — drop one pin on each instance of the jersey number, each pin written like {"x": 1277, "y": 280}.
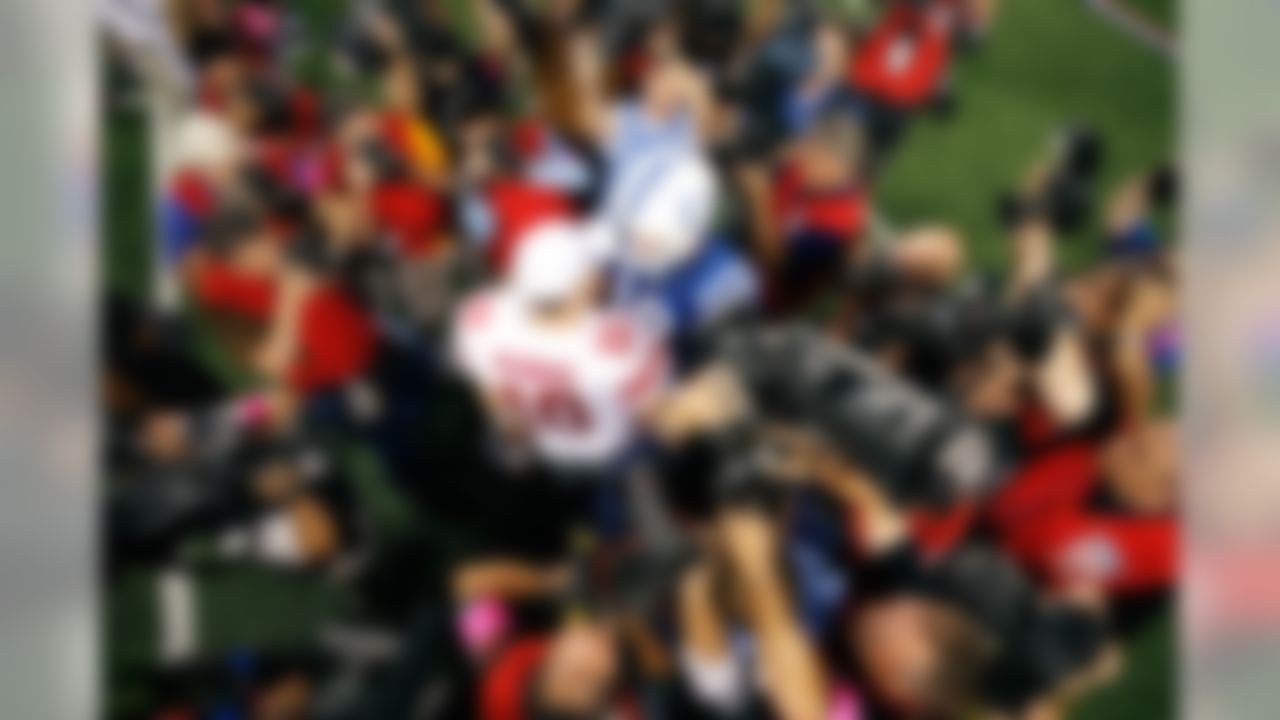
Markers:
{"x": 549, "y": 407}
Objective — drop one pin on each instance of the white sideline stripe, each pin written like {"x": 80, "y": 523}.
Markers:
{"x": 176, "y": 599}
{"x": 1136, "y": 25}
{"x": 141, "y": 29}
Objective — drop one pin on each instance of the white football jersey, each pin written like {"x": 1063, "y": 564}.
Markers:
{"x": 576, "y": 389}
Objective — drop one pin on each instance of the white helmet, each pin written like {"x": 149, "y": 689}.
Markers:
{"x": 673, "y": 220}
{"x": 204, "y": 141}
{"x": 553, "y": 260}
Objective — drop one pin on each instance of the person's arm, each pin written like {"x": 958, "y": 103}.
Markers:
{"x": 706, "y": 657}
{"x": 652, "y": 659}
{"x": 804, "y": 458}
{"x": 496, "y": 27}
{"x": 753, "y": 181}
{"x": 573, "y": 84}
{"x": 1033, "y": 258}
{"x": 280, "y": 348}
{"x": 1064, "y": 381}
{"x": 701, "y": 626}
{"x": 793, "y": 677}
{"x": 1062, "y": 378}
{"x": 881, "y": 527}
{"x": 763, "y": 18}
{"x": 1149, "y": 305}
{"x": 508, "y": 579}
{"x": 1127, "y": 207}
{"x": 710, "y": 401}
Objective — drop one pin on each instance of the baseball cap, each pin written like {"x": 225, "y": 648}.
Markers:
{"x": 552, "y": 261}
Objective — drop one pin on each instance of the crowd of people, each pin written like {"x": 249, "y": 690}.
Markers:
{"x": 674, "y": 423}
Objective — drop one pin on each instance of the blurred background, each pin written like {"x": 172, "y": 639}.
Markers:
{"x": 212, "y": 623}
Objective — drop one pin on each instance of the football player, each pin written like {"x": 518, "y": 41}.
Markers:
{"x": 565, "y": 377}
{"x": 670, "y": 269}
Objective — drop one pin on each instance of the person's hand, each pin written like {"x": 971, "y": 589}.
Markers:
{"x": 796, "y": 455}
{"x": 801, "y": 456}
{"x": 804, "y": 457}
{"x": 712, "y": 400}
{"x": 1033, "y": 258}
{"x": 750, "y": 543}
{"x": 1150, "y": 304}
{"x": 166, "y": 436}
{"x": 274, "y": 358}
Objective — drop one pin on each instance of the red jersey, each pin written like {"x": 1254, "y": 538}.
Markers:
{"x": 1044, "y": 519}
{"x": 904, "y": 59}
{"x": 838, "y": 216}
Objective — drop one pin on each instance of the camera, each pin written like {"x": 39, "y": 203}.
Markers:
{"x": 156, "y": 506}
{"x": 920, "y": 449}
{"x": 1064, "y": 197}
{"x": 937, "y": 330}
{"x": 1038, "y": 642}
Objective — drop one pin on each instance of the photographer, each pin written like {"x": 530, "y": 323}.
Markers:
{"x": 818, "y": 215}
{"x": 671, "y": 270}
{"x": 902, "y": 304}
{"x": 212, "y": 475}
{"x": 1009, "y": 350}
{"x": 899, "y": 70}
{"x": 965, "y": 631}
{"x": 1060, "y": 186}
{"x": 1131, "y": 227}
{"x": 187, "y": 459}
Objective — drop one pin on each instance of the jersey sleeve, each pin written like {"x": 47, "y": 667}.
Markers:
{"x": 474, "y": 328}
{"x": 639, "y": 361}
{"x": 729, "y": 289}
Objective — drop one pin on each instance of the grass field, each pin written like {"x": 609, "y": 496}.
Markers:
{"x": 1164, "y": 12}
{"x": 1047, "y": 62}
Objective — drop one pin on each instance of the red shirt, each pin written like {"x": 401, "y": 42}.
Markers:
{"x": 903, "y": 60}
{"x": 839, "y": 215}
{"x": 1044, "y": 520}
{"x": 193, "y": 193}
{"x": 413, "y": 215}
{"x": 502, "y": 691}
{"x": 337, "y": 340}
{"x": 219, "y": 285}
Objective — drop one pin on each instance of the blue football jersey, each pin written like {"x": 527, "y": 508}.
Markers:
{"x": 715, "y": 283}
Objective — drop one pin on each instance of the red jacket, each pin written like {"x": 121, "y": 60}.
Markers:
{"x": 1043, "y": 519}
{"x": 840, "y": 215}
{"x": 903, "y": 61}
{"x": 502, "y": 690}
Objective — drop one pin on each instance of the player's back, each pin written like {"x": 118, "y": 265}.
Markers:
{"x": 576, "y": 387}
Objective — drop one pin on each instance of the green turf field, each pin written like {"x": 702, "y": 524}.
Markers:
{"x": 1163, "y": 12}
{"x": 1047, "y": 62}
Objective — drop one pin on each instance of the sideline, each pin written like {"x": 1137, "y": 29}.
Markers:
{"x": 1137, "y": 26}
